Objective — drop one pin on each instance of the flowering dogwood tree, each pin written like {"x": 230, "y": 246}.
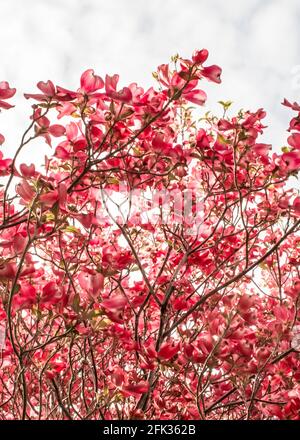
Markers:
{"x": 150, "y": 269}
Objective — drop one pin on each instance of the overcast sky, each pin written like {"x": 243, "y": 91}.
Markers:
{"x": 256, "y": 42}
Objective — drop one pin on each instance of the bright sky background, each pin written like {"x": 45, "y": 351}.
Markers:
{"x": 256, "y": 42}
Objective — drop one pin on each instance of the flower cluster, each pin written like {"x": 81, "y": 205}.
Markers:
{"x": 113, "y": 314}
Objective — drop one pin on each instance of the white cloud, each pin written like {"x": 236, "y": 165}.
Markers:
{"x": 255, "y": 42}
